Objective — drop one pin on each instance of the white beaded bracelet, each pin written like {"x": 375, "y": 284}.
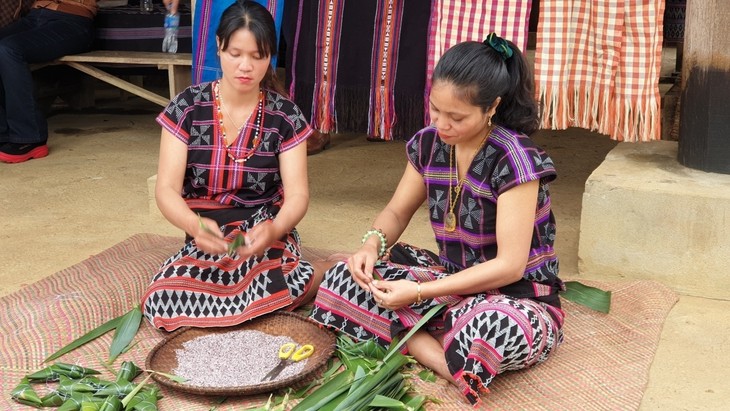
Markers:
{"x": 381, "y": 236}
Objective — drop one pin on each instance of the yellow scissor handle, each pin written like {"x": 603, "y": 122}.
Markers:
{"x": 287, "y": 350}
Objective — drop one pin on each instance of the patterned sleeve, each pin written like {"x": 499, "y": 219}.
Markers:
{"x": 520, "y": 162}
{"x": 419, "y": 148}
{"x": 295, "y": 128}
{"x": 177, "y": 116}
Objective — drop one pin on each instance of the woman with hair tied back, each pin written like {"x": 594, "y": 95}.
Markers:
{"x": 486, "y": 184}
{"x": 232, "y": 167}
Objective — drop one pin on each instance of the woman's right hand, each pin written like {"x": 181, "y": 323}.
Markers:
{"x": 361, "y": 265}
{"x": 209, "y": 238}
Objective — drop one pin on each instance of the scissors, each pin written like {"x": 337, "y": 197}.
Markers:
{"x": 289, "y": 353}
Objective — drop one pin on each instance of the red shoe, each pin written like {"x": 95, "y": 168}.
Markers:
{"x": 18, "y": 153}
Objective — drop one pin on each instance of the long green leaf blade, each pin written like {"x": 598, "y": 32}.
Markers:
{"x": 127, "y": 398}
{"x": 591, "y": 297}
{"x": 125, "y": 332}
{"x": 419, "y": 324}
{"x": 327, "y": 392}
{"x": 89, "y": 336}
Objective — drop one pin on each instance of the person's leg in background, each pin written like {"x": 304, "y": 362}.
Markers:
{"x": 41, "y": 36}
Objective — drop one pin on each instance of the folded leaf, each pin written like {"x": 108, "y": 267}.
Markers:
{"x": 46, "y": 374}
{"x": 119, "y": 388}
{"x": 128, "y": 371}
{"x": 76, "y": 400}
{"x": 111, "y": 403}
{"x": 89, "y": 406}
{"x": 25, "y": 394}
{"x": 125, "y": 332}
{"x": 54, "y": 399}
{"x": 133, "y": 393}
{"x": 84, "y": 385}
{"x": 72, "y": 371}
{"x": 591, "y": 297}
{"x": 89, "y": 336}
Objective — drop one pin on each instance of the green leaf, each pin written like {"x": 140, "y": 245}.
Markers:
{"x": 89, "y": 336}
{"x": 128, "y": 371}
{"x": 327, "y": 392}
{"x": 125, "y": 332}
{"x": 381, "y": 401}
{"x": 238, "y": 241}
{"x": 427, "y": 375}
{"x": 173, "y": 377}
{"x": 395, "y": 348}
{"x": 25, "y": 394}
{"x": 416, "y": 402}
{"x": 127, "y": 398}
{"x": 591, "y": 297}
{"x": 111, "y": 403}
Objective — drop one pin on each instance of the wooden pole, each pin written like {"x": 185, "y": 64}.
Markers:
{"x": 704, "y": 129}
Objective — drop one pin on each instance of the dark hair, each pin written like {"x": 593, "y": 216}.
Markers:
{"x": 482, "y": 74}
{"x": 249, "y": 15}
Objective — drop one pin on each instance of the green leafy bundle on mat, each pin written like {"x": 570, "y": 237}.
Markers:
{"x": 78, "y": 388}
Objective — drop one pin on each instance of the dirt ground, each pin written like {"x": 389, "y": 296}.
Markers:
{"x": 92, "y": 192}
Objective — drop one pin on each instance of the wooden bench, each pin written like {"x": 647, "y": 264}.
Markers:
{"x": 178, "y": 66}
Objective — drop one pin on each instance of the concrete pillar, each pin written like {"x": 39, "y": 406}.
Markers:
{"x": 704, "y": 130}
{"x": 645, "y": 216}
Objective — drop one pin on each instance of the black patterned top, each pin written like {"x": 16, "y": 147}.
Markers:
{"x": 212, "y": 179}
{"x": 505, "y": 161}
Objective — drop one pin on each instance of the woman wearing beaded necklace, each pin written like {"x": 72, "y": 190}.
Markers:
{"x": 496, "y": 271}
{"x": 235, "y": 148}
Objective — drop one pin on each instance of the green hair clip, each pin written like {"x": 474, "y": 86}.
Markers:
{"x": 500, "y": 45}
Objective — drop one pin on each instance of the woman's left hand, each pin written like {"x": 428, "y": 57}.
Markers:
{"x": 258, "y": 239}
{"x": 394, "y": 294}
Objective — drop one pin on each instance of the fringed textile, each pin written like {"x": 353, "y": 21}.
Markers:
{"x": 324, "y": 116}
{"x": 454, "y": 21}
{"x": 358, "y": 66}
{"x": 206, "y": 64}
{"x": 597, "y": 66}
{"x": 386, "y": 43}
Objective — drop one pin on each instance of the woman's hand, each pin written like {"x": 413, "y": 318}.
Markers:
{"x": 394, "y": 294}
{"x": 258, "y": 239}
{"x": 209, "y": 238}
{"x": 361, "y": 265}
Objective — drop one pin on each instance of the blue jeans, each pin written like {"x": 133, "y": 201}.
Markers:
{"x": 41, "y": 36}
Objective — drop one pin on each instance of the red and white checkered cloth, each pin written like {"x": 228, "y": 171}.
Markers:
{"x": 453, "y": 22}
{"x": 597, "y": 66}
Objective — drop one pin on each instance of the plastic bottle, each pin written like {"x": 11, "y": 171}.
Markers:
{"x": 172, "y": 22}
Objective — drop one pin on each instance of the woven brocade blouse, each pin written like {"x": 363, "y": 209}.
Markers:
{"x": 506, "y": 160}
{"x": 213, "y": 180}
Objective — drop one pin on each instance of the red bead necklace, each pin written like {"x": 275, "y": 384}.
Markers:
{"x": 256, "y": 140}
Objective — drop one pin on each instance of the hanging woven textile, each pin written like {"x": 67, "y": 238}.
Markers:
{"x": 206, "y": 65}
{"x": 456, "y": 21}
{"x": 597, "y": 66}
{"x": 357, "y": 66}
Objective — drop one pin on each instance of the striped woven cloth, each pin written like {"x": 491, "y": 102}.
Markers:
{"x": 357, "y": 66}
{"x": 455, "y": 21}
{"x": 597, "y": 66}
{"x": 590, "y": 370}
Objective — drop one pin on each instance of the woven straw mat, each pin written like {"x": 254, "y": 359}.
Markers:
{"x": 602, "y": 365}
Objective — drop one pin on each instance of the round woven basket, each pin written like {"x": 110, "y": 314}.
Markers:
{"x": 163, "y": 357}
